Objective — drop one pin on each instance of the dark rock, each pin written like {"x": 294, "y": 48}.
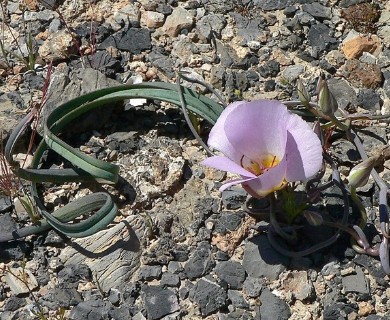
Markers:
{"x": 233, "y": 198}
{"x": 209, "y": 296}
{"x": 345, "y": 151}
{"x": 5, "y": 204}
{"x": 237, "y": 299}
{"x": 121, "y": 313}
{"x": 200, "y": 262}
{"x": 370, "y": 100}
{"x": 228, "y": 222}
{"x": 338, "y": 311}
{"x": 272, "y": 307}
{"x": 170, "y": 280}
{"x": 319, "y": 37}
{"x": 14, "y": 303}
{"x": 317, "y": 10}
{"x": 356, "y": 283}
{"x": 269, "y": 69}
{"x": 159, "y": 301}
{"x": 61, "y": 297}
{"x": 99, "y": 32}
{"x": 34, "y": 81}
{"x": 105, "y": 63}
{"x": 247, "y": 29}
{"x": 269, "y": 5}
{"x": 252, "y": 287}
{"x": 269, "y": 85}
{"x": 261, "y": 260}
{"x": 149, "y": 273}
{"x": 290, "y": 11}
{"x": 54, "y": 239}
{"x": 221, "y": 256}
{"x": 73, "y": 273}
{"x": 232, "y": 272}
{"x": 342, "y": 91}
{"x": 134, "y": 40}
{"x": 211, "y": 23}
{"x": 162, "y": 62}
{"x": 91, "y": 309}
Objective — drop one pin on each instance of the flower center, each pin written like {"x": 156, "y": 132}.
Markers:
{"x": 265, "y": 163}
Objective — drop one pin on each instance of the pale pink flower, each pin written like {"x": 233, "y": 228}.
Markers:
{"x": 265, "y": 144}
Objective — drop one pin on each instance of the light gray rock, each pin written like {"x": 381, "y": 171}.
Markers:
{"x": 179, "y": 19}
{"x": 20, "y": 280}
{"x": 113, "y": 255}
{"x": 356, "y": 282}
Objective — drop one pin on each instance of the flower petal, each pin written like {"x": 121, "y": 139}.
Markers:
{"x": 273, "y": 179}
{"x": 258, "y": 128}
{"x": 303, "y": 149}
{"x": 225, "y": 164}
{"x": 217, "y": 137}
{"x": 234, "y": 182}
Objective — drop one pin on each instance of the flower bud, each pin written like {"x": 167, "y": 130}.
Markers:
{"x": 302, "y": 93}
{"x": 326, "y": 100}
{"x": 358, "y": 176}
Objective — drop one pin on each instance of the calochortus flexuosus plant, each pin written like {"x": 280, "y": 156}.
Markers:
{"x": 264, "y": 143}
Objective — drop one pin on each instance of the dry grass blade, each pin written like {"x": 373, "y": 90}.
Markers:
{"x": 7, "y": 178}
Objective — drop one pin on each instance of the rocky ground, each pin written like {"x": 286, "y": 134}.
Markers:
{"x": 179, "y": 249}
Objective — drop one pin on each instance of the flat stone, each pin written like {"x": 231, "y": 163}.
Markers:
{"x": 261, "y": 260}
{"x": 134, "y": 40}
{"x": 159, "y": 301}
{"x": 91, "y": 309}
{"x": 317, "y": 10}
{"x": 17, "y": 285}
{"x": 356, "y": 282}
{"x": 269, "y": 5}
{"x": 179, "y": 19}
{"x": 384, "y": 33}
{"x": 299, "y": 285}
{"x": 272, "y": 307}
{"x": 209, "y": 296}
{"x": 232, "y": 272}
{"x": 354, "y": 47}
{"x": 170, "y": 279}
{"x": 149, "y": 273}
{"x": 113, "y": 255}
